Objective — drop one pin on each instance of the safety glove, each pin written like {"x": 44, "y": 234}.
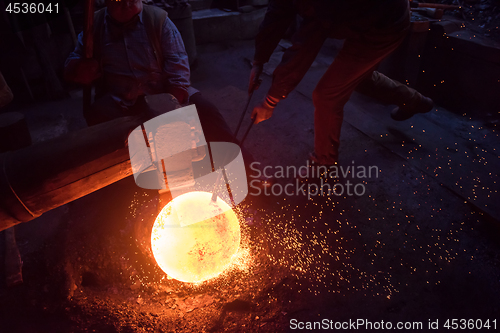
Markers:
{"x": 264, "y": 110}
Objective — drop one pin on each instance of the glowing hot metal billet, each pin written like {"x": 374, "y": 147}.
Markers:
{"x": 195, "y": 239}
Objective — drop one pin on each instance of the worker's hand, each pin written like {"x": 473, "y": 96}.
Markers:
{"x": 264, "y": 110}
{"x": 83, "y": 71}
{"x": 255, "y": 80}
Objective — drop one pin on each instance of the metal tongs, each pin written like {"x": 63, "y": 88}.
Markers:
{"x": 223, "y": 173}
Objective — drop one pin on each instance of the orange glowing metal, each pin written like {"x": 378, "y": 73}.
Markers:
{"x": 195, "y": 239}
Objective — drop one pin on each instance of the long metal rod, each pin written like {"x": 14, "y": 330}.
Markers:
{"x": 243, "y": 113}
{"x": 216, "y": 186}
{"x": 223, "y": 173}
{"x": 246, "y": 133}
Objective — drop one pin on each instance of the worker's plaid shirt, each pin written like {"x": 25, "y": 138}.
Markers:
{"x": 128, "y": 61}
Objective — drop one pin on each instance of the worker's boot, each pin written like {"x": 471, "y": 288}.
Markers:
{"x": 409, "y": 101}
{"x": 406, "y": 111}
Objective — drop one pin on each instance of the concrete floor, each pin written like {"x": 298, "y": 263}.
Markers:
{"x": 421, "y": 244}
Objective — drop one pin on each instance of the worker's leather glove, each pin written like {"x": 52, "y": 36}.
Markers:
{"x": 264, "y": 110}
{"x": 255, "y": 73}
{"x": 84, "y": 71}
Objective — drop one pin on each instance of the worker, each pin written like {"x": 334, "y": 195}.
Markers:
{"x": 371, "y": 29}
{"x": 131, "y": 61}
{"x": 133, "y": 58}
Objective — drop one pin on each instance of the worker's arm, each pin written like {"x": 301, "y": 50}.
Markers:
{"x": 296, "y": 61}
{"x": 279, "y": 16}
{"x": 176, "y": 63}
{"x": 78, "y": 69}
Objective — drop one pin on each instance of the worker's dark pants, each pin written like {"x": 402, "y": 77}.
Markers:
{"x": 214, "y": 126}
{"x": 356, "y": 61}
